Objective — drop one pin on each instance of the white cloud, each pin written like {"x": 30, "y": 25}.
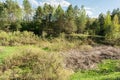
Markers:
{"x": 90, "y": 12}
{"x": 34, "y": 2}
{"x": 55, "y": 3}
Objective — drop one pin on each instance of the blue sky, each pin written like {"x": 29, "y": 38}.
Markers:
{"x": 93, "y": 7}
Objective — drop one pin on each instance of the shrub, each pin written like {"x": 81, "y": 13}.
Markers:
{"x": 18, "y": 38}
{"x": 33, "y": 64}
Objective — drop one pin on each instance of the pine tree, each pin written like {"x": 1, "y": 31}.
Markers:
{"x": 59, "y": 19}
{"x": 70, "y": 25}
{"x": 81, "y": 20}
{"x": 48, "y": 12}
{"x": 101, "y": 24}
{"x": 38, "y": 20}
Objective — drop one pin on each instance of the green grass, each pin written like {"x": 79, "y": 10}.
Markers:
{"x": 6, "y": 51}
{"x": 96, "y": 76}
{"x": 108, "y": 70}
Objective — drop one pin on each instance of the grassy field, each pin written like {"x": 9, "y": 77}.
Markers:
{"x": 96, "y": 76}
{"x": 108, "y": 70}
{"x": 6, "y": 51}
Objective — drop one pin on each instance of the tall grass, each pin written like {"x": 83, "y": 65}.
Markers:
{"x": 33, "y": 64}
{"x": 17, "y": 38}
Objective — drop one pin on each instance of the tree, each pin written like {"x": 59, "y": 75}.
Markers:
{"x": 27, "y": 9}
{"x": 96, "y": 27}
{"x": 109, "y": 28}
{"x": 11, "y": 14}
{"x": 59, "y": 19}
{"x": 76, "y": 11}
{"x": 101, "y": 24}
{"x": 3, "y": 17}
{"x": 115, "y": 20}
{"x": 81, "y": 20}
{"x": 116, "y": 28}
{"x": 89, "y": 23}
{"x": 70, "y": 25}
{"x": 48, "y": 11}
{"x": 108, "y": 25}
{"x": 38, "y": 20}
{"x": 14, "y": 10}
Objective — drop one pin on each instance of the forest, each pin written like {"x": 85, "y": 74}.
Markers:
{"x": 53, "y": 43}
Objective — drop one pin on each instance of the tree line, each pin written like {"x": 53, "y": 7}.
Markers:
{"x": 55, "y": 20}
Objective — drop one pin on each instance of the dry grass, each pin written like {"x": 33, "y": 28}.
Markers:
{"x": 33, "y": 64}
{"x": 86, "y": 57}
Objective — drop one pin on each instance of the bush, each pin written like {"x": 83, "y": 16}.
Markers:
{"x": 17, "y": 38}
{"x": 33, "y": 64}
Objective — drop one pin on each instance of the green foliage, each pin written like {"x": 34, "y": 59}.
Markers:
{"x": 101, "y": 24}
{"x": 38, "y": 20}
{"x": 27, "y": 9}
{"x": 81, "y": 20}
{"x": 70, "y": 25}
{"x": 13, "y": 10}
{"x": 108, "y": 26}
{"x": 114, "y": 30}
{"x": 60, "y": 23}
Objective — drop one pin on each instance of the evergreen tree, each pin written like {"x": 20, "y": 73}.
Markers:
{"x": 48, "y": 12}
{"x": 59, "y": 19}
{"x": 76, "y": 11}
{"x": 38, "y": 20}
{"x": 101, "y": 24}
{"x": 96, "y": 27}
{"x": 70, "y": 25}
{"x": 81, "y": 20}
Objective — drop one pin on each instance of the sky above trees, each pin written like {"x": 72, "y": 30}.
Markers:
{"x": 93, "y": 7}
